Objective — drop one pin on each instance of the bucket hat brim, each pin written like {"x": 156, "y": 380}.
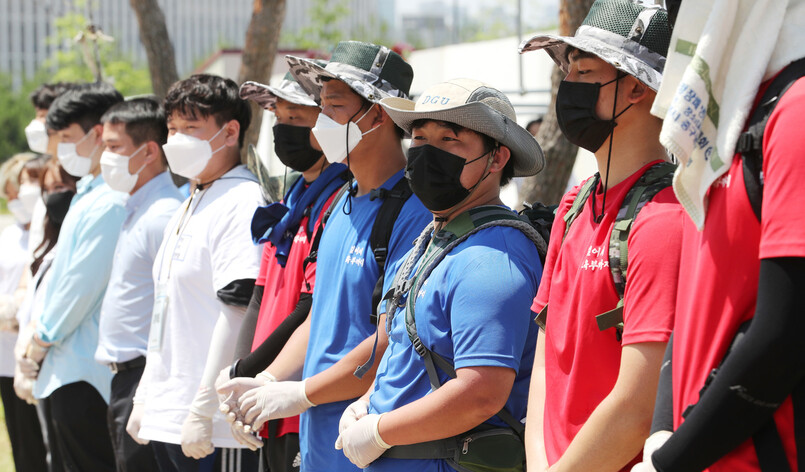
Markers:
{"x": 526, "y": 153}
{"x": 624, "y": 54}
{"x": 364, "y": 83}
{"x": 266, "y": 95}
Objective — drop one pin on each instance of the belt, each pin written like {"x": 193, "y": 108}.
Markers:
{"x": 117, "y": 367}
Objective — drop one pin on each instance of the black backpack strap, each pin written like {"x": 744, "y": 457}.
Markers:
{"x": 313, "y": 255}
{"x": 657, "y": 178}
{"x": 750, "y": 142}
{"x": 393, "y": 201}
{"x": 379, "y": 238}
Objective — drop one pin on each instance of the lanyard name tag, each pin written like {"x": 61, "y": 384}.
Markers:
{"x": 157, "y": 333}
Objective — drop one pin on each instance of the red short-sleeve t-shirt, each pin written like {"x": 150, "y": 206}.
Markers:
{"x": 720, "y": 265}
{"x": 582, "y": 362}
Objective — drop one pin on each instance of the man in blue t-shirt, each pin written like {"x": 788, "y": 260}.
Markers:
{"x": 338, "y": 336}
{"x": 472, "y": 311}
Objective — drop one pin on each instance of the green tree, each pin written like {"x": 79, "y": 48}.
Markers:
{"x": 322, "y": 31}
{"x": 16, "y": 112}
{"x": 75, "y": 60}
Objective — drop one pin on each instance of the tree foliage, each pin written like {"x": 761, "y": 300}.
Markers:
{"x": 16, "y": 111}
{"x": 72, "y": 62}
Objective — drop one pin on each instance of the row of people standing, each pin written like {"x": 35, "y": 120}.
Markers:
{"x": 446, "y": 388}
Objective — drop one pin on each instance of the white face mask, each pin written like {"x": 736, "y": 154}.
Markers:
{"x": 74, "y": 163}
{"x": 115, "y": 170}
{"x": 21, "y": 214}
{"x": 37, "y": 136}
{"x": 332, "y": 137}
{"x": 188, "y": 155}
{"x": 29, "y": 194}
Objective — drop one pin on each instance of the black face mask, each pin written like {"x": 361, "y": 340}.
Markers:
{"x": 575, "y": 112}
{"x": 57, "y": 204}
{"x": 435, "y": 176}
{"x": 292, "y": 145}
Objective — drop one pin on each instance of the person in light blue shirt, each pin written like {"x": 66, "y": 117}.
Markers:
{"x": 66, "y": 335}
{"x": 133, "y": 163}
{"x": 453, "y": 382}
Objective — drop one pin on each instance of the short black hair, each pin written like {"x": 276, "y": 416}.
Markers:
{"x": 144, "y": 119}
{"x": 45, "y": 94}
{"x": 489, "y": 144}
{"x": 83, "y": 104}
{"x": 203, "y": 95}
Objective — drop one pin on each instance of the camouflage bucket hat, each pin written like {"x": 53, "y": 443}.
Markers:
{"x": 289, "y": 90}
{"x": 631, "y": 36}
{"x": 373, "y": 72}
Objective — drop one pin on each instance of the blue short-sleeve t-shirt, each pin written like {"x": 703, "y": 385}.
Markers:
{"x": 346, "y": 274}
{"x": 474, "y": 310}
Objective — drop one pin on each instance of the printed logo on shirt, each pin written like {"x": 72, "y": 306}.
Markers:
{"x": 355, "y": 256}
{"x": 723, "y": 182}
{"x": 597, "y": 258}
{"x": 301, "y": 236}
{"x": 182, "y": 245}
{"x": 422, "y": 290}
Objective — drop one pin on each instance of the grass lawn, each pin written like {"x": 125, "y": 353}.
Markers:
{"x": 6, "y": 459}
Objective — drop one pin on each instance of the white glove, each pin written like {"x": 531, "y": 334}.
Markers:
{"x": 230, "y": 392}
{"x": 35, "y": 351}
{"x": 247, "y": 439}
{"x": 273, "y": 400}
{"x": 355, "y": 411}
{"x": 133, "y": 426}
{"x": 28, "y": 368}
{"x": 24, "y": 385}
{"x": 223, "y": 377}
{"x": 654, "y": 442}
{"x": 197, "y": 436}
{"x": 361, "y": 442}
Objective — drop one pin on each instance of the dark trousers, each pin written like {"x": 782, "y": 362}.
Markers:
{"x": 170, "y": 458}
{"x": 280, "y": 454}
{"x": 54, "y": 460}
{"x": 129, "y": 456}
{"x": 24, "y": 431}
{"x": 80, "y": 432}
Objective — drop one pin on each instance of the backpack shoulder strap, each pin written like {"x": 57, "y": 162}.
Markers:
{"x": 465, "y": 226}
{"x": 656, "y": 178}
{"x": 383, "y": 227}
{"x": 750, "y": 142}
{"x": 579, "y": 201}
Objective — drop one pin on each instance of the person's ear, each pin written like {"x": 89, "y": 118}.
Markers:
{"x": 98, "y": 135}
{"x": 152, "y": 152}
{"x": 638, "y": 91}
{"x": 380, "y": 117}
{"x": 500, "y": 157}
{"x": 232, "y": 133}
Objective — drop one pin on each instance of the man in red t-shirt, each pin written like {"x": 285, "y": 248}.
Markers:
{"x": 592, "y": 392}
{"x": 284, "y": 288}
{"x": 744, "y": 272}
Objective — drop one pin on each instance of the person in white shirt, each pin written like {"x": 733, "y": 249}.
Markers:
{"x": 204, "y": 275}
